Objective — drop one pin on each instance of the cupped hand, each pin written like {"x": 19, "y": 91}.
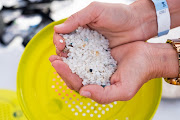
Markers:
{"x": 134, "y": 69}
{"x": 119, "y": 23}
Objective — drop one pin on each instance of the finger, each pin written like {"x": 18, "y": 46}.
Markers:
{"x": 115, "y": 92}
{"x": 119, "y": 90}
{"x": 61, "y": 74}
{"x": 59, "y": 42}
{"x": 61, "y": 53}
{"x": 69, "y": 78}
{"x": 54, "y": 57}
{"x": 64, "y": 54}
{"x": 58, "y": 52}
{"x": 81, "y": 18}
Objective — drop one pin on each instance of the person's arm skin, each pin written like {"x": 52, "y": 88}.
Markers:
{"x": 145, "y": 11}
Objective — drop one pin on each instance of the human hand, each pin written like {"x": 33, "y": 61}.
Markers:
{"x": 138, "y": 62}
{"x": 119, "y": 23}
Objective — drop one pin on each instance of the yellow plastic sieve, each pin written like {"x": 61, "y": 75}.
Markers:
{"x": 44, "y": 96}
{"x": 9, "y": 106}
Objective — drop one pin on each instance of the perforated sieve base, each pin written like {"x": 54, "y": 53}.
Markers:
{"x": 77, "y": 105}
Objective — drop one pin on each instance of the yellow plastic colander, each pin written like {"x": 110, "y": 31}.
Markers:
{"x": 9, "y": 106}
{"x": 44, "y": 96}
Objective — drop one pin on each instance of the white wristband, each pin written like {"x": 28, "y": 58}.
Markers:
{"x": 163, "y": 16}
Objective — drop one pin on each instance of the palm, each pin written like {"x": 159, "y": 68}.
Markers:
{"x": 128, "y": 78}
{"x": 132, "y": 67}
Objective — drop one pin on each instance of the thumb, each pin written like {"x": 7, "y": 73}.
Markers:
{"x": 81, "y": 18}
{"x": 105, "y": 95}
{"x": 117, "y": 91}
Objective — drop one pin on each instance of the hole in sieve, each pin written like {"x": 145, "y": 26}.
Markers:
{"x": 53, "y": 86}
{"x": 107, "y": 109}
{"x": 99, "y": 116}
{"x": 72, "y": 109}
{"x": 95, "y": 111}
{"x": 76, "y": 113}
{"x": 103, "y": 112}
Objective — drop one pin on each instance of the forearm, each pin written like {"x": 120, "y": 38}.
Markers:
{"x": 145, "y": 11}
{"x": 164, "y": 60}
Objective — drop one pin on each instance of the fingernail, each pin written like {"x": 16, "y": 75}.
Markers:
{"x": 85, "y": 94}
{"x": 59, "y": 26}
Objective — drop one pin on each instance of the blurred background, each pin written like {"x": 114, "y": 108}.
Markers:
{"x": 20, "y": 20}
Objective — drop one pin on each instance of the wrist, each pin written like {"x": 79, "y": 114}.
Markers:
{"x": 174, "y": 12}
{"x": 164, "y": 60}
{"x": 146, "y": 13}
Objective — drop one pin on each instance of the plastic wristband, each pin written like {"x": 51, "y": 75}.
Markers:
{"x": 163, "y": 17}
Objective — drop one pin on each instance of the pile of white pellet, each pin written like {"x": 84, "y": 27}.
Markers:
{"x": 89, "y": 56}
